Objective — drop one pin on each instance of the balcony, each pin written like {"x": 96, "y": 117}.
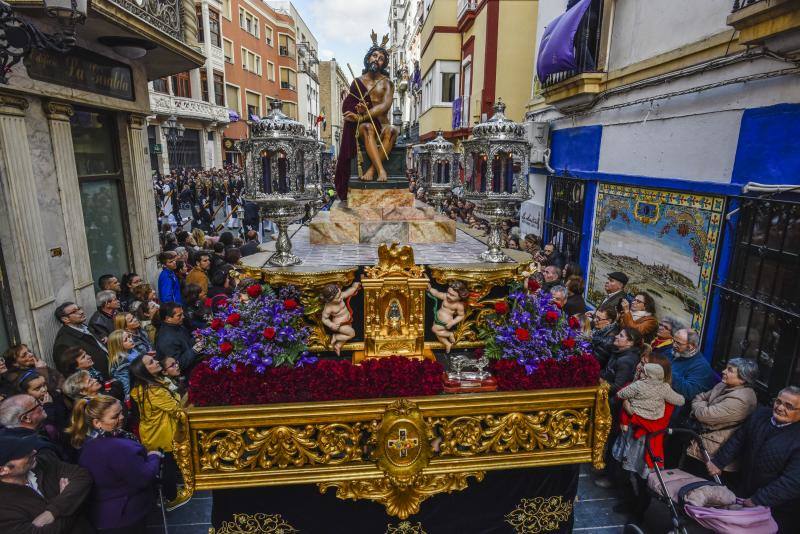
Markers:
{"x": 162, "y": 104}
{"x": 465, "y": 6}
{"x": 160, "y": 22}
{"x": 773, "y": 23}
{"x": 576, "y": 88}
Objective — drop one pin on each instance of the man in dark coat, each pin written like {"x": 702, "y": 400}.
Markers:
{"x": 768, "y": 448}
{"x": 38, "y": 492}
{"x": 615, "y": 290}
{"x": 75, "y": 333}
{"x": 174, "y": 339}
{"x": 101, "y": 324}
{"x": 251, "y": 246}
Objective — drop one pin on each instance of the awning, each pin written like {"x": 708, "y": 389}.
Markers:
{"x": 557, "y": 50}
{"x": 233, "y": 115}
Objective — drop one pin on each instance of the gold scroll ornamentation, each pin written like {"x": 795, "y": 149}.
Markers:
{"x": 405, "y": 527}
{"x": 539, "y": 514}
{"x": 279, "y": 447}
{"x": 602, "y": 425}
{"x": 395, "y": 260}
{"x": 401, "y": 500}
{"x": 255, "y": 524}
{"x": 182, "y": 450}
{"x": 402, "y": 452}
{"x": 510, "y": 433}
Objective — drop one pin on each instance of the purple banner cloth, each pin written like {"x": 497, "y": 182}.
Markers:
{"x": 557, "y": 49}
{"x": 254, "y": 117}
{"x": 233, "y": 116}
{"x": 456, "y": 113}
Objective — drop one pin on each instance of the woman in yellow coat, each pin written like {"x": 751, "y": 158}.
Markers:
{"x": 158, "y": 415}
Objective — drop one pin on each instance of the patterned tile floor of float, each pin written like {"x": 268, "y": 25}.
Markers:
{"x": 465, "y": 250}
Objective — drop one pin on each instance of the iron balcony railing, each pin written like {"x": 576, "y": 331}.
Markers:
{"x": 586, "y": 43}
{"x": 741, "y": 4}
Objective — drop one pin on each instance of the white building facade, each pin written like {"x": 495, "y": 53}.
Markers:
{"x": 189, "y": 113}
{"x": 679, "y": 128}
{"x": 405, "y": 27}
{"x": 308, "y": 101}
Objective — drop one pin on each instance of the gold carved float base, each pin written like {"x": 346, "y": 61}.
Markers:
{"x": 397, "y": 452}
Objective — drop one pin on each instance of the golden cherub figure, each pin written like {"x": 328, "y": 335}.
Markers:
{"x": 450, "y": 312}
{"x": 337, "y": 315}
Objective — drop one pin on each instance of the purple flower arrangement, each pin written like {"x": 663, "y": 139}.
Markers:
{"x": 531, "y": 328}
{"x": 257, "y": 327}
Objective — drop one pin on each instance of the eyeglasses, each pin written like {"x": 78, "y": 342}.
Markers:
{"x": 790, "y": 407}
{"x": 173, "y": 365}
{"x": 640, "y": 301}
{"x": 35, "y": 407}
{"x": 76, "y": 310}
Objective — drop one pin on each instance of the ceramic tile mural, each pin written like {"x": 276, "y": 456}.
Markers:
{"x": 665, "y": 241}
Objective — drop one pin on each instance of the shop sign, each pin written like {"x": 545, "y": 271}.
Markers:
{"x": 157, "y": 148}
{"x": 82, "y": 69}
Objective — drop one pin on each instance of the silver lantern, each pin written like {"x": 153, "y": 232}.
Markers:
{"x": 496, "y": 175}
{"x": 281, "y": 175}
{"x": 441, "y": 164}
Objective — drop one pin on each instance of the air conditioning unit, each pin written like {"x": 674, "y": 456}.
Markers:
{"x": 538, "y": 135}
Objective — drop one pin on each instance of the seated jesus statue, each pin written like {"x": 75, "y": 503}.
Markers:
{"x": 366, "y": 112}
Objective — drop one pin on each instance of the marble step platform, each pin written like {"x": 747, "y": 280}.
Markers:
{"x": 375, "y": 216}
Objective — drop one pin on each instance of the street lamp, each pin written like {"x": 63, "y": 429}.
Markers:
{"x": 19, "y": 37}
{"x": 174, "y": 133}
{"x": 397, "y": 117}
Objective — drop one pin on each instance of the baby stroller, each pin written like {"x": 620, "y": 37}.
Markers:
{"x": 674, "y": 486}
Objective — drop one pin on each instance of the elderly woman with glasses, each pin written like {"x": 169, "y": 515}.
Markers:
{"x": 721, "y": 410}
{"x": 639, "y": 314}
{"x": 662, "y": 344}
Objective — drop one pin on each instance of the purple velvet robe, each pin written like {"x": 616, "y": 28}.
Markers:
{"x": 347, "y": 148}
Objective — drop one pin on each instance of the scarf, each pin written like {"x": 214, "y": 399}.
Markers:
{"x": 118, "y": 433}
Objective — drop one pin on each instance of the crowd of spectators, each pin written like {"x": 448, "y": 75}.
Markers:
{"x": 85, "y": 443}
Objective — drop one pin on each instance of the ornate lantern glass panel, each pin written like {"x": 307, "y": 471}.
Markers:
{"x": 281, "y": 176}
{"x": 441, "y": 165}
{"x": 496, "y": 173}
{"x": 422, "y": 163}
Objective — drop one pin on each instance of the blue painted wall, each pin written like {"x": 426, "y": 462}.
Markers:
{"x": 576, "y": 149}
{"x": 769, "y": 146}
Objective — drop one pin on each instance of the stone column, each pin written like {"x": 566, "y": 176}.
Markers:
{"x": 218, "y": 132}
{"x": 146, "y": 234}
{"x": 32, "y": 266}
{"x": 208, "y": 68}
{"x": 58, "y": 115}
{"x": 189, "y": 23}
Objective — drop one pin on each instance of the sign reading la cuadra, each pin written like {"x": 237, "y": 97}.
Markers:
{"x": 82, "y": 69}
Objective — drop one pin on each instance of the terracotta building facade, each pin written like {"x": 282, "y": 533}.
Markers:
{"x": 259, "y": 49}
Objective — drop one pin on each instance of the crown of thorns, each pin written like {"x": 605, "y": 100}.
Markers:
{"x": 384, "y": 41}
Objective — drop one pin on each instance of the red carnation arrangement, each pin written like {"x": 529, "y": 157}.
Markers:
{"x": 254, "y": 290}
{"x": 217, "y": 324}
{"x": 581, "y": 370}
{"x": 551, "y": 316}
{"x": 290, "y": 304}
{"x": 269, "y": 333}
{"x": 522, "y": 334}
{"x": 568, "y": 343}
{"x": 574, "y": 322}
{"x": 533, "y": 285}
{"x": 322, "y": 381}
{"x": 226, "y": 347}
{"x": 501, "y": 307}
{"x": 233, "y": 319}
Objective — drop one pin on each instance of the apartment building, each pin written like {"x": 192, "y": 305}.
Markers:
{"x": 259, "y": 54}
{"x": 189, "y": 113}
{"x": 473, "y": 53}
{"x": 305, "y": 53}
{"x": 405, "y": 29}
{"x": 333, "y": 86}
